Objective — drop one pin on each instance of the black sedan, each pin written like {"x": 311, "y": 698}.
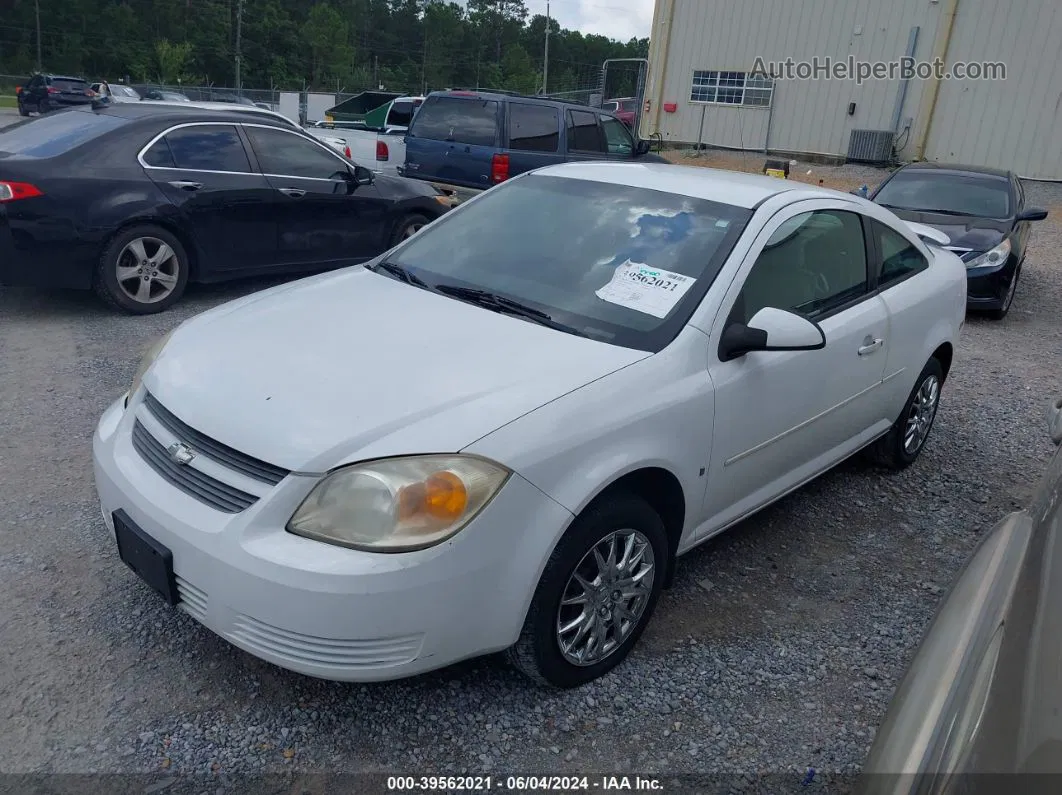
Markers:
{"x": 984, "y": 213}
{"x": 137, "y": 201}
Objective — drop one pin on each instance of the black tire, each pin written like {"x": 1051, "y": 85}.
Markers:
{"x": 537, "y": 653}
{"x": 22, "y": 110}
{"x": 1008, "y": 299}
{"x": 406, "y": 226}
{"x": 891, "y": 450}
{"x": 106, "y": 282}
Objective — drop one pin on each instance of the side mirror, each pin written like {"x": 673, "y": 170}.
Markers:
{"x": 363, "y": 176}
{"x": 641, "y": 147}
{"x": 771, "y": 329}
{"x": 1033, "y": 214}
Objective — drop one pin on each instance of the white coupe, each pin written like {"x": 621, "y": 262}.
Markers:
{"x": 504, "y": 432}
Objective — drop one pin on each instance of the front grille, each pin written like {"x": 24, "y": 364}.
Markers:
{"x": 193, "y": 600}
{"x": 189, "y": 480}
{"x": 224, "y": 455}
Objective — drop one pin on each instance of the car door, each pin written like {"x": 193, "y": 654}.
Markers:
{"x": 204, "y": 170}
{"x": 618, "y": 138}
{"x": 324, "y": 218}
{"x": 584, "y": 138}
{"x": 782, "y": 417}
{"x": 534, "y": 136}
{"x": 904, "y": 282}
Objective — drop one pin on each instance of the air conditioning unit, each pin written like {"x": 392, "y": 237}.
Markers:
{"x": 870, "y": 146}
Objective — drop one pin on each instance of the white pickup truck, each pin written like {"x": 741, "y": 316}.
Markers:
{"x": 382, "y": 149}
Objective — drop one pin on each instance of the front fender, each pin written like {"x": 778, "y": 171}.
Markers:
{"x": 657, "y": 412}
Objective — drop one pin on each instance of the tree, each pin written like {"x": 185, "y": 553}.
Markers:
{"x": 325, "y": 35}
{"x": 173, "y": 60}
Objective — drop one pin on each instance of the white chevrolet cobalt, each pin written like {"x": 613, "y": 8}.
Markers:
{"x": 502, "y": 433}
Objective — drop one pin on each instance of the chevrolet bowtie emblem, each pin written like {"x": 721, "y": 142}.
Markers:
{"x": 180, "y": 453}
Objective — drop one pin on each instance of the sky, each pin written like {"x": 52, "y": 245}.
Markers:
{"x": 617, "y": 19}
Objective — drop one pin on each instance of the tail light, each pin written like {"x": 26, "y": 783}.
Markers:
{"x": 499, "y": 168}
{"x": 53, "y": 90}
{"x": 381, "y": 151}
{"x": 13, "y": 191}
{"x": 89, "y": 92}
{"x": 18, "y": 90}
{"x": 346, "y": 151}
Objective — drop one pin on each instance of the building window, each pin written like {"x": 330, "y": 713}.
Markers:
{"x": 732, "y": 88}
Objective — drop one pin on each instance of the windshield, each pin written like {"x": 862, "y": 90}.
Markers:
{"x": 978, "y": 195}
{"x": 620, "y": 264}
{"x": 56, "y": 133}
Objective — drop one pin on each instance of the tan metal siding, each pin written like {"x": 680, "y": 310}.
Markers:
{"x": 808, "y": 116}
{"x": 1016, "y": 123}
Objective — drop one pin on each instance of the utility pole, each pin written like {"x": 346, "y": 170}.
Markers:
{"x": 424, "y": 64}
{"x": 37, "y": 9}
{"x": 376, "y": 73}
{"x": 239, "y": 30}
{"x": 545, "y": 57}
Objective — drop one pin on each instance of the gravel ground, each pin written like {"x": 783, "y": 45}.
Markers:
{"x": 777, "y": 649}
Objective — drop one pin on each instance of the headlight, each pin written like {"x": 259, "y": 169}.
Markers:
{"x": 996, "y": 256}
{"x": 398, "y": 504}
{"x": 145, "y": 363}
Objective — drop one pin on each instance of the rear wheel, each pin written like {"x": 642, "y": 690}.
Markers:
{"x": 596, "y": 595}
{"x": 407, "y": 227}
{"x": 22, "y": 109}
{"x": 143, "y": 270}
{"x": 900, "y": 447}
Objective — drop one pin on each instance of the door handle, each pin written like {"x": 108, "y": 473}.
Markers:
{"x": 870, "y": 344}
{"x": 181, "y": 184}
{"x": 295, "y": 193}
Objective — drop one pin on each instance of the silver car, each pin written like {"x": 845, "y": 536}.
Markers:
{"x": 980, "y": 708}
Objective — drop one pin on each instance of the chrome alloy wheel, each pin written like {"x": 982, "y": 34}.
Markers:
{"x": 920, "y": 418}
{"x": 147, "y": 270}
{"x": 605, "y": 597}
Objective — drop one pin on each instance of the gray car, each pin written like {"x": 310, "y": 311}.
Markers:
{"x": 980, "y": 708}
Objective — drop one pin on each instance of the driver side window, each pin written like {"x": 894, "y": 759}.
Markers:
{"x": 619, "y": 140}
{"x": 813, "y": 263}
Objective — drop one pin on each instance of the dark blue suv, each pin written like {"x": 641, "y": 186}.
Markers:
{"x": 477, "y": 139}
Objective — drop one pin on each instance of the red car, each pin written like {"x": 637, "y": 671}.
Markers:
{"x": 623, "y": 108}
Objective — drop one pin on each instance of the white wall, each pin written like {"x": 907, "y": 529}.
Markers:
{"x": 317, "y": 104}
{"x": 1016, "y": 124}
{"x": 289, "y": 105}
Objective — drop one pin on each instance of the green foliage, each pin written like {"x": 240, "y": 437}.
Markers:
{"x": 407, "y": 45}
{"x": 173, "y": 60}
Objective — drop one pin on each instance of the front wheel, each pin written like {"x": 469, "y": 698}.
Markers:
{"x": 407, "y": 227}
{"x": 900, "y": 447}
{"x": 143, "y": 270}
{"x": 596, "y": 595}
{"x": 1008, "y": 299}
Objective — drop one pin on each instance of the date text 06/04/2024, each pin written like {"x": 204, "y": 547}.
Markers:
{"x": 409, "y": 784}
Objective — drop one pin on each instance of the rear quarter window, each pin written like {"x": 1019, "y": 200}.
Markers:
{"x": 57, "y": 133}
{"x": 458, "y": 119}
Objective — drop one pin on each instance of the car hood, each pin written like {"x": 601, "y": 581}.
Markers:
{"x": 976, "y": 234}
{"x": 355, "y": 365}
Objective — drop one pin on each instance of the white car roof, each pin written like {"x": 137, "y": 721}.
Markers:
{"x": 727, "y": 187}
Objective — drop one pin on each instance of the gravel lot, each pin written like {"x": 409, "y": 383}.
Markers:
{"x": 777, "y": 649}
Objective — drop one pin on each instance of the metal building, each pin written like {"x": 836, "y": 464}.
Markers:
{"x": 702, "y": 85}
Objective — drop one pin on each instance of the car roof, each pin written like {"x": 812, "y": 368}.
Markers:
{"x": 152, "y": 106}
{"x": 64, "y": 77}
{"x": 726, "y": 187}
{"x": 471, "y": 93}
{"x": 957, "y": 168}
{"x": 182, "y": 111}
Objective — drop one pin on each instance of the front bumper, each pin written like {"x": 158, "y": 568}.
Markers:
{"x": 324, "y": 610}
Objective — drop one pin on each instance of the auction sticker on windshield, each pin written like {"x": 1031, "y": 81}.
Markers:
{"x": 653, "y": 291}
